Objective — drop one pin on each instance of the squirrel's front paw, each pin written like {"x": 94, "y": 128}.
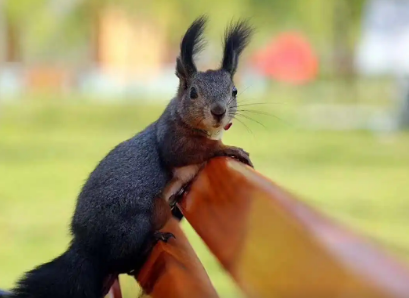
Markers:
{"x": 237, "y": 153}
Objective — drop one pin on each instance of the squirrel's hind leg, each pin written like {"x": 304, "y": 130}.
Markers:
{"x": 176, "y": 213}
{"x": 180, "y": 185}
{"x": 175, "y": 198}
{"x": 156, "y": 237}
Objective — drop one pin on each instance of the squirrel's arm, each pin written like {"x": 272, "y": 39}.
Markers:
{"x": 197, "y": 150}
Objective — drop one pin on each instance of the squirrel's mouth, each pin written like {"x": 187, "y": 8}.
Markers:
{"x": 227, "y": 127}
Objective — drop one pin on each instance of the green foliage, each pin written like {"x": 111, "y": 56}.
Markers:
{"x": 19, "y": 10}
{"x": 49, "y": 35}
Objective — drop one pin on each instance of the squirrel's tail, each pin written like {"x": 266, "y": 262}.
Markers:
{"x": 73, "y": 274}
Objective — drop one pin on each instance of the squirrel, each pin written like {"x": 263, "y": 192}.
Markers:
{"x": 127, "y": 198}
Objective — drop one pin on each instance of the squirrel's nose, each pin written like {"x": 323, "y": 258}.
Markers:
{"x": 218, "y": 110}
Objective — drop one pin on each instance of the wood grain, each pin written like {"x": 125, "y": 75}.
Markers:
{"x": 273, "y": 245}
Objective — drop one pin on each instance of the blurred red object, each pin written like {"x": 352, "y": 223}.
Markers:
{"x": 288, "y": 58}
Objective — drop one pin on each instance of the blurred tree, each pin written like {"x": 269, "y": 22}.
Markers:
{"x": 53, "y": 28}
{"x": 346, "y": 16}
{"x": 12, "y": 15}
{"x": 12, "y": 39}
{"x": 274, "y": 11}
{"x": 345, "y": 21}
{"x": 341, "y": 37}
{"x": 172, "y": 17}
{"x": 18, "y": 17}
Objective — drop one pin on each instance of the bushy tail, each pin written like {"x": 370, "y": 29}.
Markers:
{"x": 73, "y": 274}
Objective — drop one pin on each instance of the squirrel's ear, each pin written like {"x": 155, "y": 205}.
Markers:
{"x": 192, "y": 43}
{"x": 236, "y": 38}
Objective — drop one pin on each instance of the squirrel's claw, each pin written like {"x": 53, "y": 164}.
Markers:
{"x": 157, "y": 236}
{"x": 246, "y": 161}
{"x": 163, "y": 236}
{"x": 238, "y": 154}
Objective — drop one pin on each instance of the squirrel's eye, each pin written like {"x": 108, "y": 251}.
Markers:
{"x": 193, "y": 93}
{"x": 234, "y": 92}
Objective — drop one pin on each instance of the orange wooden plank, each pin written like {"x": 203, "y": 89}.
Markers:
{"x": 115, "y": 291}
{"x": 174, "y": 271}
{"x": 275, "y": 246}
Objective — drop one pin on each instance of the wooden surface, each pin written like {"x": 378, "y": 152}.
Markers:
{"x": 115, "y": 291}
{"x": 174, "y": 271}
{"x": 275, "y": 246}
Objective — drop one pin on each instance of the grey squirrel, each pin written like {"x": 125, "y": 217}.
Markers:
{"x": 126, "y": 199}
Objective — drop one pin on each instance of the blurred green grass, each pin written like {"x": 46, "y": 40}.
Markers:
{"x": 47, "y": 150}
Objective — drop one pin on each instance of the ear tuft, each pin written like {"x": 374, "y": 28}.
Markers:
{"x": 192, "y": 43}
{"x": 237, "y": 37}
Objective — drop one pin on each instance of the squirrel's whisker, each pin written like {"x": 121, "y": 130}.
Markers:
{"x": 264, "y": 113}
{"x": 245, "y": 89}
{"x": 259, "y": 103}
{"x": 251, "y": 119}
{"x": 256, "y": 112}
{"x": 248, "y": 129}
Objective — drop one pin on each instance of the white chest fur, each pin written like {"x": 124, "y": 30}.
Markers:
{"x": 217, "y": 135}
{"x": 185, "y": 174}
{"x": 181, "y": 176}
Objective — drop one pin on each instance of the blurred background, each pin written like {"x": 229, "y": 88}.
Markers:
{"x": 325, "y": 83}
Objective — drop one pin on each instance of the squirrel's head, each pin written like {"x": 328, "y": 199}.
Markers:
{"x": 207, "y": 100}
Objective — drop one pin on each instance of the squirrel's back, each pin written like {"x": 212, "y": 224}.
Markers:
{"x": 120, "y": 189}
